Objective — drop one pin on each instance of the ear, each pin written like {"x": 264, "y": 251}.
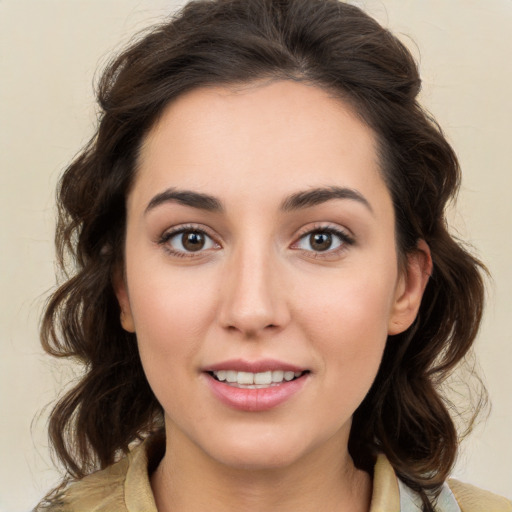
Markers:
{"x": 410, "y": 289}
{"x": 121, "y": 291}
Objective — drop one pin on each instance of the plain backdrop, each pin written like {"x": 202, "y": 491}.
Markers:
{"x": 50, "y": 51}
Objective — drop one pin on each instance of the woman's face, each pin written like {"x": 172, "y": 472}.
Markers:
{"x": 260, "y": 248}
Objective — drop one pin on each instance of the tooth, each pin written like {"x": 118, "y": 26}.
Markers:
{"x": 252, "y": 380}
{"x": 231, "y": 376}
{"x": 263, "y": 378}
{"x": 245, "y": 378}
{"x": 277, "y": 376}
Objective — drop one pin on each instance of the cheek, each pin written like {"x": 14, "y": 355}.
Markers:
{"x": 166, "y": 299}
{"x": 351, "y": 301}
{"x": 171, "y": 313}
{"x": 347, "y": 321}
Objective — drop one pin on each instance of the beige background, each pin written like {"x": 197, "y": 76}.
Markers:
{"x": 49, "y": 52}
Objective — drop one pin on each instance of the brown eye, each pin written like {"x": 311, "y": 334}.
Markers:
{"x": 328, "y": 240}
{"x": 188, "y": 241}
{"x": 193, "y": 240}
{"x": 320, "y": 241}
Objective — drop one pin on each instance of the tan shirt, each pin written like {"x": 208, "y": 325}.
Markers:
{"x": 125, "y": 487}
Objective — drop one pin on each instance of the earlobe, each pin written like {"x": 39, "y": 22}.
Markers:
{"x": 127, "y": 321}
{"x": 120, "y": 289}
{"x": 410, "y": 289}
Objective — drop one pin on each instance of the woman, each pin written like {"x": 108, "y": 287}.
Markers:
{"x": 266, "y": 291}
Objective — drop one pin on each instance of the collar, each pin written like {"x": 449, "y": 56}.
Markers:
{"x": 389, "y": 494}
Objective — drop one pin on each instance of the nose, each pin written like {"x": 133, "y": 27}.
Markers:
{"x": 253, "y": 296}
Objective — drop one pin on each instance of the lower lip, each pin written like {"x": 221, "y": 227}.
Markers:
{"x": 255, "y": 400}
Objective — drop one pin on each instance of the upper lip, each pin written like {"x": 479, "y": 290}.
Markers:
{"x": 262, "y": 365}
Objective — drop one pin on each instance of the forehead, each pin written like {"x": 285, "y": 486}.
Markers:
{"x": 265, "y": 137}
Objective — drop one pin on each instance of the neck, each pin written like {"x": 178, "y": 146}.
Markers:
{"x": 326, "y": 480}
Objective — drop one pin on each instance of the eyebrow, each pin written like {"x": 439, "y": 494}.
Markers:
{"x": 297, "y": 201}
{"x": 316, "y": 196}
{"x": 186, "y": 198}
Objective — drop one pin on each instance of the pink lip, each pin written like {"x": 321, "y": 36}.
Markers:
{"x": 262, "y": 365}
{"x": 254, "y": 400}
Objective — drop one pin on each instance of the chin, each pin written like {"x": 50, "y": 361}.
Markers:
{"x": 259, "y": 458}
{"x": 264, "y": 451}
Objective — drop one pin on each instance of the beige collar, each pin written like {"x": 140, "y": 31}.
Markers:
{"x": 385, "y": 495}
{"x": 139, "y": 496}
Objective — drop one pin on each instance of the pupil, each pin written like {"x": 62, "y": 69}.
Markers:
{"x": 192, "y": 240}
{"x": 321, "y": 241}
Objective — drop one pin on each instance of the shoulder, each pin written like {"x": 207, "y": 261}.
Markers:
{"x": 391, "y": 494}
{"x": 474, "y": 499}
{"x": 123, "y": 486}
{"x": 98, "y": 492}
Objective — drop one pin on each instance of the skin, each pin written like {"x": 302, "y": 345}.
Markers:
{"x": 259, "y": 289}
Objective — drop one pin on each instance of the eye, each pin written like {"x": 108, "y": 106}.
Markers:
{"x": 186, "y": 241}
{"x": 320, "y": 240}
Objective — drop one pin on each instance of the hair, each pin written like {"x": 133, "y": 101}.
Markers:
{"x": 326, "y": 43}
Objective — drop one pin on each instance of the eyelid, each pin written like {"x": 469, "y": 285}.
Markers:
{"x": 169, "y": 233}
{"x": 328, "y": 227}
{"x": 345, "y": 236}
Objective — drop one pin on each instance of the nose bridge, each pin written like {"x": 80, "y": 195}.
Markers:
{"x": 252, "y": 298}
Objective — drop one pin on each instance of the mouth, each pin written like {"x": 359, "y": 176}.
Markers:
{"x": 260, "y": 380}
{"x": 255, "y": 386}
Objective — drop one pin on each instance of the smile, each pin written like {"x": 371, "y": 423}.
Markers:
{"x": 250, "y": 380}
{"x": 255, "y": 386}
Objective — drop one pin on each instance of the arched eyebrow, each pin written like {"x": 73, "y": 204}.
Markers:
{"x": 316, "y": 196}
{"x": 296, "y": 201}
{"x": 186, "y": 198}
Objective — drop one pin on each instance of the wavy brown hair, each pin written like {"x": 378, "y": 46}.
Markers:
{"x": 326, "y": 43}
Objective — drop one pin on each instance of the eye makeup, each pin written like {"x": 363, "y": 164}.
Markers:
{"x": 325, "y": 241}
{"x": 321, "y": 241}
{"x": 193, "y": 242}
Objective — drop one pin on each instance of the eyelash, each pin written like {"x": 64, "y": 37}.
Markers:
{"x": 345, "y": 239}
{"x": 168, "y": 235}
